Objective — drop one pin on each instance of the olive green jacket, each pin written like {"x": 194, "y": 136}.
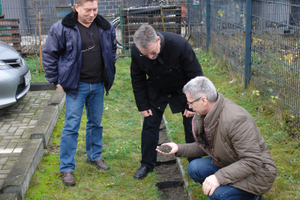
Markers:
{"x": 235, "y": 145}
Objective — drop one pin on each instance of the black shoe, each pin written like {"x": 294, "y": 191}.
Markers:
{"x": 142, "y": 172}
{"x": 258, "y": 198}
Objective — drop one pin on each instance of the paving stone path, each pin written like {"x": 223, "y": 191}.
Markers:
{"x": 16, "y": 125}
{"x": 25, "y": 128}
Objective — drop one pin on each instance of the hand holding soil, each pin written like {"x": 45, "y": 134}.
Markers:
{"x": 167, "y": 148}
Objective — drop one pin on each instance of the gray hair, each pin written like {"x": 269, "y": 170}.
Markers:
{"x": 144, "y": 35}
{"x": 201, "y": 86}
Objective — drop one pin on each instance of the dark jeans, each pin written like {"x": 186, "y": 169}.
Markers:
{"x": 201, "y": 168}
{"x": 150, "y": 136}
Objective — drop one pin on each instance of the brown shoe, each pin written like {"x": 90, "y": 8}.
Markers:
{"x": 68, "y": 178}
{"x": 100, "y": 164}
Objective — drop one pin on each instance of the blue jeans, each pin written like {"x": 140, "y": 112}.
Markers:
{"x": 92, "y": 96}
{"x": 201, "y": 168}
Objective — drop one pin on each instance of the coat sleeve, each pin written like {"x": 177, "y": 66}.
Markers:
{"x": 189, "y": 62}
{"x": 138, "y": 81}
{"x": 50, "y": 55}
{"x": 244, "y": 137}
{"x": 114, "y": 44}
{"x": 190, "y": 150}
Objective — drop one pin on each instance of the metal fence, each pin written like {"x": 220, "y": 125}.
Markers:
{"x": 259, "y": 38}
{"x": 184, "y": 17}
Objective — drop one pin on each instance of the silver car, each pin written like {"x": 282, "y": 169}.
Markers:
{"x": 14, "y": 76}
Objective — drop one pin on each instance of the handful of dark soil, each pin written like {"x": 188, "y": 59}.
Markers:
{"x": 165, "y": 148}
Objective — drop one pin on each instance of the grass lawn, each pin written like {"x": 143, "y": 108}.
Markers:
{"x": 121, "y": 138}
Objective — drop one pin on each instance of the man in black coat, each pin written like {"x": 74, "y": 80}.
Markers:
{"x": 162, "y": 63}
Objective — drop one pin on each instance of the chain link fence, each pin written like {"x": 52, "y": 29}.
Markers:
{"x": 260, "y": 39}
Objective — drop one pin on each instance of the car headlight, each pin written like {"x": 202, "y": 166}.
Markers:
{"x": 23, "y": 62}
{"x": 3, "y": 65}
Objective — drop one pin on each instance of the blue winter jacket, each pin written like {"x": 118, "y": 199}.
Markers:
{"x": 62, "y": 57}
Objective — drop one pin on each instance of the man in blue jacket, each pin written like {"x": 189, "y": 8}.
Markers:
{"x": 162, "y": 63}
{"x": 79, "y": 58}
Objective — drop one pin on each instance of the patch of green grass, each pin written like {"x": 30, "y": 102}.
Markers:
{"x": 121, "y": 151}
{"x": 121, "y": 139}
{"x": 34, "y": 66}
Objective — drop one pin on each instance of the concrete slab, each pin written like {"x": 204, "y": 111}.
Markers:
{"x": 9, "y": 196}
{"x": 58, "y": 98}
{"x": 19, "y": 177}
{"x": 42, "y": 86}
{"x": 44, "y": 127}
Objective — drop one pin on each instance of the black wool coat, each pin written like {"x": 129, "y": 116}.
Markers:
{"x": 159, "y": 82}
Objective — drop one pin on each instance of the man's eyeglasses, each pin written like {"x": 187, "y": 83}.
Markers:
{"x": 152, "y": 53}
{"x": 90, "y": 48}
{"x": 190, "y": 103}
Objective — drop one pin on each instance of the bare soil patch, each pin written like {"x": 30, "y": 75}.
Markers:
{"x": 170, "y": 181}
{"x": 165, "y": 148}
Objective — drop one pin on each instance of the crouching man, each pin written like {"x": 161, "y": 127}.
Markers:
{"x": 234, "y": 160}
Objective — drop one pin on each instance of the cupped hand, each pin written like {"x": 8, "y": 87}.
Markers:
{"x": 173, "y": 145}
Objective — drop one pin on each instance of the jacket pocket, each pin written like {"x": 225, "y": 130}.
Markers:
{"x": 67, "y": 81}
{"x": 71, "y": 50}
{"x": 172, "y": 69}
{"x": 68, "y": 69}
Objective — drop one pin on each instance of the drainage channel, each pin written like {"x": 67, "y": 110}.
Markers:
{"x": 171, "y": 181}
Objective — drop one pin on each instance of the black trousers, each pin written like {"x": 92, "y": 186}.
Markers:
{"x": 150, "y": 136}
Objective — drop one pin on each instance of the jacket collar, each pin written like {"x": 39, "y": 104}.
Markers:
{"x": 70, "y": 21}
{"x": 213, "y": 117}
{"x": 162, "y": 45}
{"x": 162, "y": 38}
